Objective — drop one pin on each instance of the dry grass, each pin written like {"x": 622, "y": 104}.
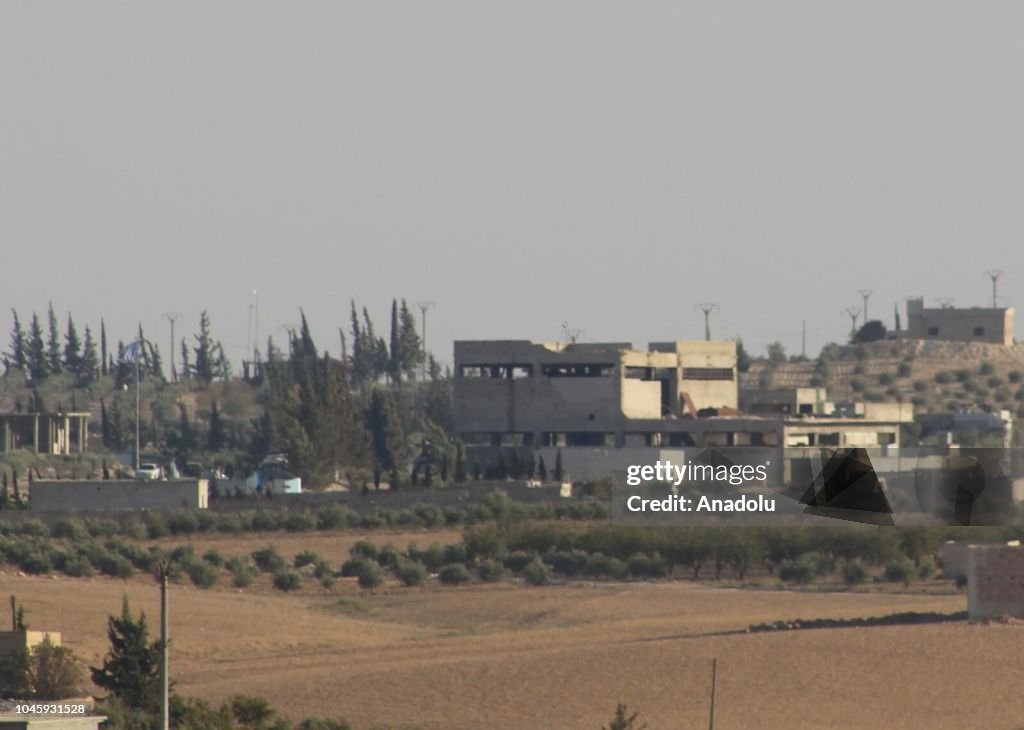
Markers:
{"x": 507, "y": 656}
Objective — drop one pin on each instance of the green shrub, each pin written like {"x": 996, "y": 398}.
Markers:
{"x": 926, "y": 569}
{"x": 962, "y": 375}
{"x": 943, "y": 377}
{"x": 885, "y": 379}
{"x": 641, "y": 565}
{"x": 857, "y": 385}
{"x": 986, "y": 368}
{"x": 537, "y": 573}
{"x": 182, "y": 522}
{"x": 517, "y": 560}
{"x": 568, "y": 562}
{"x": 333, "y": 517}
{"x": 796, "y": 571}
{"x": 269, "y": 560}
{"x": 994, "y": 382}
{"x": 854, "y": 572}
{"x": 1015, "y": 376}
{"x": 202, "y": 574}
{"x": 299, "y": 522}
{"x": 364, "y": 549}
{"x": 36, "y": 562}
{"x": 242, "y": 571}
{"x": 899, "y": 571}
{"x": 287, "y": 580}
{"x": 134, "y": 528}
{"x": 904, "y": 370}
{"x": 371, "y": 575}
{"x": 77, "y": 566}
{"x": 213, "y": 557}
{"x": 156, "y": 526}
{"x": 352, "y": 567}
{"x": 410, "y": 572}
{"x": 70, "y": 528}
{"x": 116, "y": 566}
{"x": 490, "y": 571}
{"x": 454, "y": 574}
{"x": 306, "y": 557}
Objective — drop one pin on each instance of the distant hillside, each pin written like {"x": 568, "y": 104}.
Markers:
{"x": 935, "y": 376}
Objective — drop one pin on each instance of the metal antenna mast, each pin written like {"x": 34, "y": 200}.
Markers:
{"x": 172, "y": 317}
{"x": 853, "y": 313}
{"x": 994, "y": 275}
{"x": 945, "y": 302}
{"x": 707, "y": 308}
{"x": 865, "y": 295}
{"x": 424, "y": 306}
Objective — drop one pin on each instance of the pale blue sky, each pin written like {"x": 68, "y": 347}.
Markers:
{"x": 521, "y": 164}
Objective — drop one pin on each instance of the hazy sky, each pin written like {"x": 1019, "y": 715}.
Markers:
{"x": 521, "y": 164}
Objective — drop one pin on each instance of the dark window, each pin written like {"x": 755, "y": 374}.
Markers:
{"x": 933, "y": 331}
{"x": 707, "y": 373}
{"x": 979, "y": 331}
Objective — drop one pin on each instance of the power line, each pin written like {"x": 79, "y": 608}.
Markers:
{"x": 865, "y": 294}
{"x": 994, "y": 275}
{"x": 707, "y": 308}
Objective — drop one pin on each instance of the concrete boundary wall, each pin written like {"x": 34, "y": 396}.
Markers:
{"x": 117, "y": 494}
{"x": 995, "y": 581}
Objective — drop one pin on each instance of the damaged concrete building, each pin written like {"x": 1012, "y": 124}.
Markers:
{"x": 607, "y": 404}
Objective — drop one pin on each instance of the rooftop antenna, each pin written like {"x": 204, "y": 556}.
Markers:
{"x": 994, "y": 275}
{"x": 853, "y": 313}
{"x": 570, "y": 334}
{"x": 865, "y": 295}
{"x": 707, "y": 308}
{"x": 256, "y": 325}
{"x": 945, "y": 302}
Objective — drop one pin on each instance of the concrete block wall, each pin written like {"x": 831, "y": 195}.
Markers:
{"x": 995, "y": 581}
{"x": 117, "y": 494}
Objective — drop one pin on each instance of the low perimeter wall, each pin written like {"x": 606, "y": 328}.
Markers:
{"x": 117, "y": 494}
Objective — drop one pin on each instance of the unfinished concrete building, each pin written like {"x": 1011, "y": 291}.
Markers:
{"x": 520, "y": 393}
{"x": 47, "y": 433}
{"x": 974, "y": 324}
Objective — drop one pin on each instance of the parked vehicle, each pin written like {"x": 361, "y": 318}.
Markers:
{"x": 149, "y": 472}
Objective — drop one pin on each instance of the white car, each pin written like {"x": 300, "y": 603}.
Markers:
{"x": 149, "y": 472}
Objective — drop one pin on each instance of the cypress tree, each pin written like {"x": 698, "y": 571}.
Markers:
{"x": 54, "y": 358}
{"x": 412, "y": 354}
{"x": 72, "y": 349}
{"x": 444, "y": 468}
{"x": 89, "y": 364}
{"x": 104, "y": 355}
{"x": 37, "y": 365}
{"x": 395, "y": 364}
{"x": 19, "y": 345}
{"x": 559, "y": 469}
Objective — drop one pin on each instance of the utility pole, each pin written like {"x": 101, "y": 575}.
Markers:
{"x": 714, "y": 682}
{"x": 424, "y": 306}
{"x": 707, "y": 308}
{"x": 865, "y": 295}
{"x": 172, "y": 317}
{"x": 853, "y": 313}
{"x": 994, "y": 275}
{"x": 138, "y": 437}
{"x": 165, "y": 684}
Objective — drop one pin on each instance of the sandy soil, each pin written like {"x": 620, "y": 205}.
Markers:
{"x": 509, "y": 656}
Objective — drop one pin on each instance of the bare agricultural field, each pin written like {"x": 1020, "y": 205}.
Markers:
{"x": 562, "y": 656}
